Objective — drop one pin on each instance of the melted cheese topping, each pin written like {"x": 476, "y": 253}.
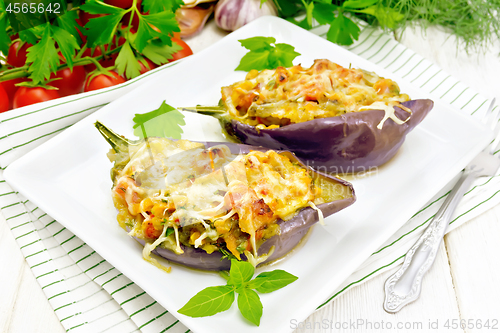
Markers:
{"x": 274, "y": 98}
{"x": 177, "y": 193}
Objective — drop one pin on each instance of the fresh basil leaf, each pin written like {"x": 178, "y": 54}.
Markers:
{"x": 267, "y": 282}
{"x": 166, "y": 122}
{"x": 250, "y": 305}
{"x": 209, "y": 301}
{"x": 343, "y": 31}
{"x": 240, "y": 272}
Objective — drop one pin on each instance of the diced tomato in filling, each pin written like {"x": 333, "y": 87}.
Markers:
{"x": 151, "y": 231}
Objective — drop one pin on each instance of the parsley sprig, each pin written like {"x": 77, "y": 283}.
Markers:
{"x": 343, "y": 30}
{"x": 265, "y": 53}
{"x": 217, "y": 299}
{"x": 57, "y": 45}
{"x": 166, "y": 121}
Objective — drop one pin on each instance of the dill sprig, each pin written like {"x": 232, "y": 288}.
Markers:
{"x": 476, "y": 23}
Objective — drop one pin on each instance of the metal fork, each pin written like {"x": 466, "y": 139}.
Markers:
{"x": 404, "y": 286}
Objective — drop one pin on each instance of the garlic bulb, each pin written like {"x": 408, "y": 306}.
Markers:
{"x": 233, "y": 14}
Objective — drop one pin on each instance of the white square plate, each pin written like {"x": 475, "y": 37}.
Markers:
{"x": 68, "y": 177}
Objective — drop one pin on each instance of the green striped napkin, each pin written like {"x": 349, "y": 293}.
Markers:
{"x": 88, "y": 294}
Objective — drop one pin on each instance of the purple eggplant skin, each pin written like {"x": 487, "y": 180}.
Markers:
{"x": 343, "y": 144}
{"x": 292, "y": 231}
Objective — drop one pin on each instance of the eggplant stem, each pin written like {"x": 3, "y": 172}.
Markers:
{"x": 117, "y": 142}
{"x": 206, "y": 110}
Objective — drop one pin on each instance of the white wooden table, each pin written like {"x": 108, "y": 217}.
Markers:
{"x": 464, "y": 283}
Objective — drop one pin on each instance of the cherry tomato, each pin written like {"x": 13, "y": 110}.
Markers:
{"x": 17, "y": 55}
{"x": 4, "y": 100}
{"x": 27, "y": 96}
{"x": 186, "y": 50}
{"x": 103, "y": 81}
{"x": 10, "y": 88}
{"x": 70, "y": 82}
{"x": 151, "y": 65}
{"x": 125, "y": 4}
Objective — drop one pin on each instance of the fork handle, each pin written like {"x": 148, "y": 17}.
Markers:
{"x": 404, "y": 286}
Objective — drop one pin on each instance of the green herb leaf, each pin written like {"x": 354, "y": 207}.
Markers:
{"x": 343, "y": 31}
{"x": 158, "y": 6}
{"x": 387, "y": 17}
{"x": 127, "y": 63}
{"x": 165, "y": 22}
{"x": 166, "y": 121}
{"x": 250, "y": 305}
{"x": 258, "y": 43}
{"x": 324, "y": 13}
{"x": 67, "y": 44}
{"x": 359, "y": 3}
{"x": 264, "y": 55}
{"x": 287, "y": 8}
{"x": 240, "y": 272}
{"x": 169, "y": 232}
{"x": 42, "y": 57}
{"x": 267, "y": 282}
{"x": 209, "y": 301}
{"x": 100, "y": 30}
{"x": 67, "y": 22}
{"x": 160, "y": 54}
{"x": 283, "y": 55}
{"x": 4, "y": 37}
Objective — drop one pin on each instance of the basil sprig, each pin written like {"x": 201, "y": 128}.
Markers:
{"x": 217, "y": 299}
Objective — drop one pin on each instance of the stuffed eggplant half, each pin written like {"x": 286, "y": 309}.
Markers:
{"x": 336, "y": 119}
{"x": 200, "y": 204}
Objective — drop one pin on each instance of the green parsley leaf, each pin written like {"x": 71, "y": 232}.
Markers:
{"x": 30, "y": 35}
{"x": 267, "y": 282}
{"x": 100, "y": 30}
{"x": 127, "y": 63}
{"x": 165, "y": 22}
{"x": 354, "y": 4}
{"x": 169, "y": 232}
{"x": 209, "y": 301}
{"x": 386, "y": 16}
{"x": 67, "y": 22}
{"x": 250, "y": 305}
{"x": 144, "y": 33}
{"x": 42, "y": 57}
{"x": 258, "y": 43}
{"x": 158, "y": 6}
{"x": 4, "y": 37}
{"x": 264, "y": 55}
{"x": 283, "y": 55}
{"x": 287, "y": 8}
{"x": 166, "y": 121}
{"x": 67, "y": 44}
{"x": 342, "y": 30}
{"x": 160, "y": 54}
{"x": 240, "y": 272}
{"x": 324, "y": 13}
